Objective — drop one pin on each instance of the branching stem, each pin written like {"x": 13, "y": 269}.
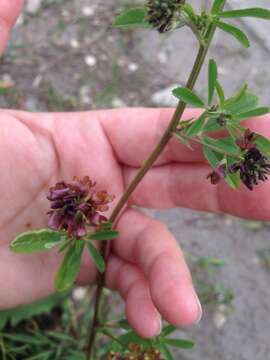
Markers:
{"x": 201, "y": 55}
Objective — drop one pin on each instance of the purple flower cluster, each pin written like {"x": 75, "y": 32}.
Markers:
{"x": 76, "y": 205}
{"x": 253, "y": 168}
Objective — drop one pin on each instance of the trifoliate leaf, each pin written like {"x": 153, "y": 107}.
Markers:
{"x": 37, "y": 241}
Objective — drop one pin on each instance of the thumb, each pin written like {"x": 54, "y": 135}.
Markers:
{"x": 9, "y": 12}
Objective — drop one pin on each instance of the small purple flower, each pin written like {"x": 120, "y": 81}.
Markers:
{"x": 216, "y": 175}
{"x": 246, "y": 142}
{"x": 76, "y": 205}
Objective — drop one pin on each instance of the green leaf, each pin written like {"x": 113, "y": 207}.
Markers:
{"x": 96, "y": 256}
{"x": 132, "y": 17}
{"x": 234, "y": 31}
{"x": 123, "y": 324}
{"x": 263, "y": 144}
{"x": 233, "y": 180}
{"x": 106, "y": 226}
{"x": 210, "y": 262}
{"x": 45, "y": 355}
{"x": 252, "y": 113}
{"x": 188, "y": 9}
{"x": 132, "y": 338}
{"x": 183, "y": 140}
{"x": 226, "y": 145}
{"x": 197, "y": 126}
{"x": 212, "y": 157}
{"x": 251, "y": 12}
{"x": 25, "y": 312}
{"x": 179, "y": 343}
{"x": 188, "y": 97}
{"x": 212, "y": 124}
{"x": 217, "y": 6}
{"x": 220, "y": 93}
{"x": 104, "y": 235}
{"x": 242, "y": 102}
{"x": 3, "y": 320}
{"x": 241, "y": 93}
{"x": 70, "y": 266}
{"x": 212, "y": 79}
{"x": 76, "y": 356}
{"x": 166, "y": 351}
{"x": 37, "y": 241}
{"x": 233, "y": 130}
{"x": 169, "y": 329}
{"x": 23, "y": 338}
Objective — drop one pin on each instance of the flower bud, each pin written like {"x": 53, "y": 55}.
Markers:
{"x": 163, "y": 14}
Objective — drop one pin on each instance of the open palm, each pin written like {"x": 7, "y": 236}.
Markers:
{"x": 146, "y": 265}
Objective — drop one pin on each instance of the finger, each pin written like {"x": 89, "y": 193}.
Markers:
{"x": 186, "y": 185}
{"x": 9, "y": 12}
{"x": 133, "y": 134}
{"x": 134, "y": 289}
{"x": 148, "y": 244}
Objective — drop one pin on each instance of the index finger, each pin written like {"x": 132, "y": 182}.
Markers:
{"x": 9, "y": 12}
{"x": 133, "y": 134}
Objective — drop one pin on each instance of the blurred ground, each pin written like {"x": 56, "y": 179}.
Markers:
{"x": 64, "y": 55}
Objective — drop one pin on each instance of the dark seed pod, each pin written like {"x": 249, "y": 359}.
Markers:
{"x": 163, "y": 14}
{"x": 222, "y": 120}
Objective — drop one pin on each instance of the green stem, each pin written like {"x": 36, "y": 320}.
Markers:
{"x": 213, "y": 147}
{"x": 203, "y": 50}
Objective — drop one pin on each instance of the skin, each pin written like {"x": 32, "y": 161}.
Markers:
{"x": 146, "y": 265}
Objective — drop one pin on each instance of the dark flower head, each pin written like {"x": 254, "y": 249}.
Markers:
{"x": 162, "y": 14}
{"x": 253, "y": 168}
{"x": 76, "y": 205}
{"x": 216, "y": 175}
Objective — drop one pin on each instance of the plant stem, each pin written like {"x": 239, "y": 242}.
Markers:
{"x": 212, "y": 147}
{"x": 201, "y": 55}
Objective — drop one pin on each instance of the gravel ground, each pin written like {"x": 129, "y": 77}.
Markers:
{"x": 64, "y": 55}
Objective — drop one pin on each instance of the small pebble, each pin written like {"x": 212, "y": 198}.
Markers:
{"x": 88, "y": 11}
{"x": 118, "y": 103}
{"x": 132, "y": 67}
{"x": 90, "y": 60}
{"x": 220, "y": 317}
{"x": 74, "y": 43}
{"x": 33, "y": 6}
{"x": 85, "y": 97}
{"x": 79, "y": 293}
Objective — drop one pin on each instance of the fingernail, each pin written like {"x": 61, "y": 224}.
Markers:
{"x": 200, "y": 312}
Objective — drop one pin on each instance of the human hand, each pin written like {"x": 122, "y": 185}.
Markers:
{"x": 146, "y": 265}
{"x": 9, "y": 12}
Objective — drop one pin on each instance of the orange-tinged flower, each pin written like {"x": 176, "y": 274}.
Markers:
{"x": 76, "y": 205}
